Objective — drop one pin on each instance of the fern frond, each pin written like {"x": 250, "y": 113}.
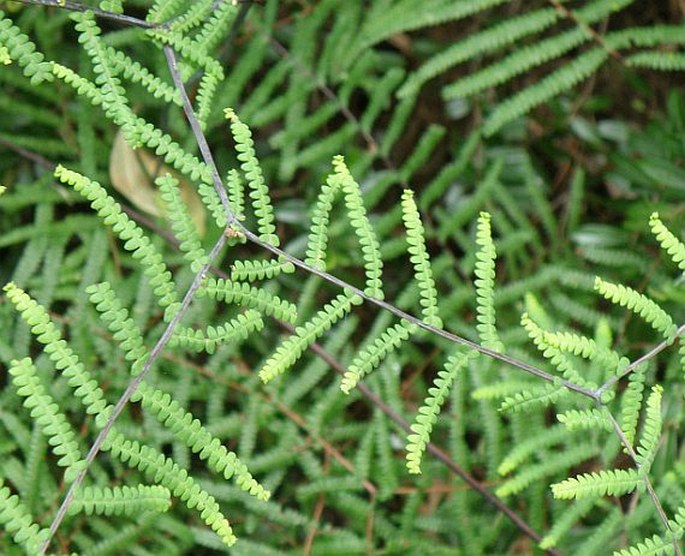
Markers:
{"x": 18, "y": 522}
{"x": 205, "y": 97}
{"x": 164, "y": 471}
{"x": 236, "y": 194}
{"x": 261, "y": 202}
{"x": 20, "y": 49}
{"x": 191, "y": 432}
{"x": 420, "y": 259}
{"x": 371, "y": 356}
{"x": 552, "y": 464}
{"x": 614, "y": 482}
{"x": 208, "y": 339}
{"x": 565, "y": 522}
{"x": 128, "y": 231}
{"x": 62, "y": 356}
{"x": 554, "y": 84}
{"x": 669, "y": 243}
{"x": 125, "y": 332}
{"x": 651, "y": 546}
{"x": 253, "y": 270}
{"x": 631, "y": 403}
{"x": 662, "y": 60}
{"x": 479, "y": 44}
{"x": 373, "y": 264}
{"x": 651, "y": 431}
{"x": 124, "y": 500}
{"x": 485, "y": 284}
{"x": 534, "y": 444}
{"x": 248, "y": 296}
{"x": 428, "y": 412}
{"x": 590, "y": 419}
{"x": 534, "y": 397}
{"x": 181, "y": 223}
{"x": 46, "y": 413}
{"x": 640, "y": 304}
{"x": 292, "y": 349}
{"x": 318, "y": 230}
{"x": 114, "y": 6}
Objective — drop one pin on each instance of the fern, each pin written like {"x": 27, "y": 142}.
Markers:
{"x": 667, "y": 240}
{"x": 207, "y": 340}
{"x": 616, "y": 482}
{"x": 485, "y": 285}
{"x": 651, "y": 431}
{"x": 18, "y": 522}
{"x": 18, "y": 47}
{"x": 121, "y": 500}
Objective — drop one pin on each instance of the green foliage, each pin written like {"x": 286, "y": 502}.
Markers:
{"x": 513, "y": 219}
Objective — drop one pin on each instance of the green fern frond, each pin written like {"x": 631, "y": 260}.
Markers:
{"x": 208, "y": 339}
{"x": 62, "y": 356}
{"x": 485, "y": 284}
{"x": 191, "y": 18}
{"x": 181, "y": 223}
{"x": 164, "y": 471}
{"x": 46, "y": 414}
{"x": 640, "y": 304}
{"x": 261, "y": 202}
{"x": 318, "y": 229}
{"x": 376, "y": 351}
{"x": 5, "y": 58}
{"x": 631, "y": 403}
{"x": 17, "y": 521}
{"x": 248, "y": 296}
{"x": 420, "y": 259}
{"x": 564, "y": 523}
{"x": 651, "y": 546}
{"x": 651, "y": 431}
{"x": 554, "y": 84}
{"x": 128, "y": 231}
{"x": 205, "y": 97}
{"x": 125, "y": 332}
{"x": 19, "y": 48}
{"x": 552, "y": 465}
{"x": 373, "y": 264}
{"x": 236, "y": 194}
{"x": 124, "y": 500}
{"x": 422, "y": 427}
{"x": 479, "y": 44}
{"x": 534, "y": 397}
{"x": 530, "y": 446}
{"x": 188, "y": 49}
{"x": 252, "y": 270}
{"x": 662, "y": 60}
{"x": 614, "y": 482}
{"x": 114, "y": 6}
{"x": 191, "y": 432}
{"x": 292, "y": 349}
{"x": 590, "y": 419}
{"x": 669, "y": 243}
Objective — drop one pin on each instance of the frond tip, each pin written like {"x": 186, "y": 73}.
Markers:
{"x": 614, "y": 482}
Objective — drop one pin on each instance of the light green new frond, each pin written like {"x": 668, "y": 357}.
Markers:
{"x": 188, "y": 50}
{"x": 422, "y": 427}
{"x": 479, "y": 44}
{"x": 582, "y": 346}
{"x": 640, "y": 304}
{"x": 181, "y": 223}
{"x": 128, "y": 231}
{"x": 245, "y": 295}
{"x": 253, "y": 270}
{"x": 121, "y": 500}
{"x": 551, "y": 465}
{"x": 192, "y": 18}
{"x": 376, "y": 351}
{"x": 136, "y": 73}
{"x": 114, "y": 6}
{"x": 164, "y": 471}
{"x": 669, "y": 243}
{"x": 651, "y": 431}
{"x": 236, "y": 194}
{"x": 535, "y": 397}
{"x": 208, "y": 339}
{"x": 614, "y": 482}
{"x": 125, "y": 331}
{"x": 318, "y": 230}
{"x": 215, "y": 28}
{"x": 554, "y": 84}
{"x": 485, "y": 284}
{"x": 261, "y": 202}
{"x": 19, "y": 48}
{"x": 292, "y": 349}
{"x": 584, "y": 419}
{"x": 416, "y": 238}
{"x": 17, "y": 521}
{"x": 205, "y": 97}
{"x": 62, "y": 356}
{"x": 631, "y": 403}
{"x": 194, "y": 435}
{"x": 46, "y": 413}
{"x": 371, "y": 253}
{"x": 83, "y": 86}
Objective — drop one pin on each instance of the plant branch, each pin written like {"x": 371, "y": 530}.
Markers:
{"x": 126, "y": 396}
